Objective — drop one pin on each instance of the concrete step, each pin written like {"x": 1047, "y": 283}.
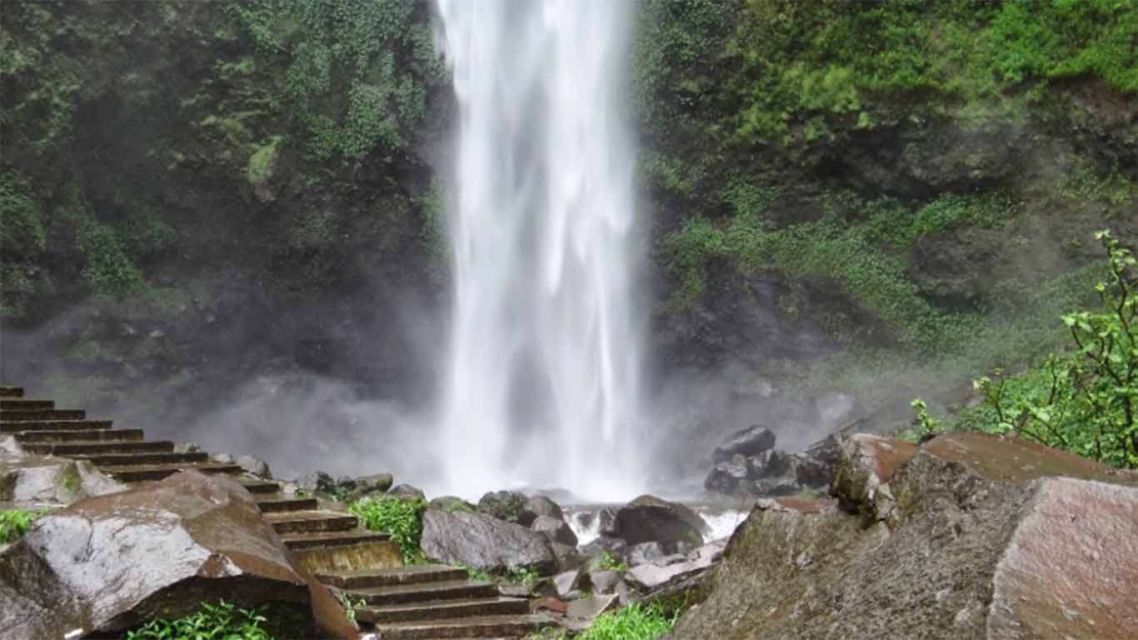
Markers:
{"x": 94, "y": 448}
{"x": 312, "y": 521}
{"x": 297, "y": 541}
{"x": 426, "y": 592}
{"x": 144, "y": 473}
{"x": 145, "y": 458}
{"x": 24, "y": 404}
{"x": 87, "y": 435}
{"x": 11, "y": 392}
{"x": 444, "y": 610}
{"x": 280, "y": 503}
{"x": 12, "y": 426}
{"x": 29, "y": 415}
{"x": 411, "y": 574}
{"x": 260, "y": 487}
{"x": 480, "y": 627}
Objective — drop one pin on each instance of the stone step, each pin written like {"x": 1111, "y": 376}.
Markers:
{"x": 11, "y": 392}
{"x": 411, "y": 574}
{"x": 97, "y": 435}
{"x": 94, "y": 448}
{"x": 24, "y": 404}
{"x": 12, "y": 426}
{"x": 445, "y": 610}
{"x": 280, "y": 503}
{"x": 144, "y": 473}
{"x": 296, "y": 541}
{"x": 312, "y": 521}
{"x": 426, "y": 592}
{"x": 261, "y": 487}
{"x": 144, "y": 458}
{"x": 41, "y": 414}
{"x": 480, "y": 627}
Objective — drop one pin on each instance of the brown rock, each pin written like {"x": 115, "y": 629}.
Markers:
{"x": 866, "y": 464}
{"x": 109, "y": 563}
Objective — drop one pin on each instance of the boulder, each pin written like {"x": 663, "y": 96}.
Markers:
{"x": 450, "y": 503}
{"x": 604, "y": 581}
{"x": 556, "y": 529}
{"x": 503, "y": 505}
{"x": 746, "y": 442}
{"x": 773, "y": 473}
{"x": 406, "y": 492}
{"x": 47, "y": 480}
{"x": 606, "y": 522}
{"x": 643, "y": 553}
{"x": 866, "y": 464}
{"x": 483, "y": 542}
{"x": 317, "y": 482}
{"x": 988, "y": 537}
{"x": 254, "y": 466}
{"x": 568, "y": 557}
{"x": 816, "y": 465}
{"x": 371, "y": 485}
{"x": 106, "y": 564}
{"x": 536, "y": 507}
{"x": 728, "y": 476}
{"x": 567, "y": 582}
{"x": 650, "y": 519}
{"x": 605, "y": 544}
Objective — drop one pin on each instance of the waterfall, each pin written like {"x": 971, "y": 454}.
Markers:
{"x": 542, "y": 385}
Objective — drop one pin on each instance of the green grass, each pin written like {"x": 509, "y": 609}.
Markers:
{"x": 610, "y": 562}
{"x": 402, "y": 519}
{"x": 222, "y": 621}
{"x": 634, "y": 622}
{"x": 14, "y": 523}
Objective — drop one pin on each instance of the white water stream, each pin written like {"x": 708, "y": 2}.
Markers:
{"x": 542, "y": 384}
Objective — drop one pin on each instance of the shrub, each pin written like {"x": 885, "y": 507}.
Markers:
{"x": 402, "y": 519}
{"x": 14, "y": 523}
{"x": 221, "y": 620}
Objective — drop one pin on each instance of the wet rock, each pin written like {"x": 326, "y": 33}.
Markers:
{"x": 317, "y": 482}
{"x": 990, "y": 537}
{"x": 568, "y": 558}
{"x": 580, "y": 614}
{"x": 366, "y": 486}
{"x": 650, "y": 519}
{"x": 866, "y": 465}
{"x": 48, "y": 480}
{"x": 406, "y": 492}
{"x": 556, "y": 529}
{"x": 816, "y": 465}
{"x": 483, "y": 542}
{"x": 774, "y": 473}
{"x": 254, "y": 466}
{"x": 450, "y": 503}
{"x": 746, "y": 442}
{"x": 606, "y": 522}
{"x": 727, "y": 476}
{"x": 643, "y": 553}
{"x": 605, "y": 544}
{"x": 570, "y": 581}
{"x": 536, "y": 507}
{"x": 604, "y": 581}
{"x": 106, "y": 564}
{"x": 503, "y": 505}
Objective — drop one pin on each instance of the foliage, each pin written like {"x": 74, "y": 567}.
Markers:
{"x": 610, "y": 562}
{"x": 1084, "y": 400}
{"x": 14, "y": 523}
{"x": 401, "y": 518}
{"x": 22, "y": 232}
{"x": 220, "y": 621}
{"x": 634, "y": 622}
{"x": 521, "y": 575}
{"x": 350, "y": 605}
{"x": 478, "y": 574}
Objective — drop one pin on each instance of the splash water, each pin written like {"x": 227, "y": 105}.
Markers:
{"x": 542, "y": 383}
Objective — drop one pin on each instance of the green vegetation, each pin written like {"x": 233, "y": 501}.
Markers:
{"x": 401, "y": 518}
{"x": 610, "y": 562}
{"x": 221, "y": 620}
{"x": 14, "y": 523}
{"x": 1083, "y": 400}
{"x": 521, "y": 575}
{"x": 478, "y": 574}
{"x": 634, "y": 622}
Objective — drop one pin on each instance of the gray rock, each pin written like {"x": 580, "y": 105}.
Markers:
{"x": 650, "y": 519}
{"x": 483, "y": 542}
{"x": 503, "y": 505}
{"x": 582, "y": 612}
{"x": 605, "y": 544}
{"x": 47, "y": 480}
{"x": 746, "y": 442}
{"x": 727, "y": 476}
{"x": 556, "y": 529}
{"x": 643, "y": 553}
{"x": 106, "y": 564}
{"x": 450, "y": 503}
{"x": 365, "y": 486}
{"x": 569, "y": 581}
{"x": 406, "y": 492}
{"x": 604, "y": 581}
{"x": 538, "y": 506}
{"x": 317, "y": 482}
{"x": 568, "y": 558}
{"x": 254, "y": 466}
{"x": 606, "y": 522}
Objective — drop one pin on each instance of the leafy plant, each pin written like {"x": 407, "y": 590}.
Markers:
{"x": 350, "y": 605}
{"x": 213, "y": 621}
{"x": 14, "y": 523}
{"x": 521, "y": 575}
{"x": 1083, "y": 400}
{"x": 610, "y": 562}
{"x": 478, "y": 574}
{"x": 634, "y": 622}
{"x": 401, "y": 518}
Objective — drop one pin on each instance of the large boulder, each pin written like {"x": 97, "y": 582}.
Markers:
{"x": 987, "y": 537}
{"x": 556, "y": 529}
{"x": 650, "y": 519}
{"x": 746, "y": 442}
{"x": 484, "y": 542}
{"x": 536, "y": 507}
{"x": 47, "y": 480}
{"x": 865, "y": 467}
{"x": 504, "y": 505}
{"x": 108, "y": 563}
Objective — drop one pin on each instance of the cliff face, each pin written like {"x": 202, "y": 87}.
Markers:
{"x": 879, "y": 200}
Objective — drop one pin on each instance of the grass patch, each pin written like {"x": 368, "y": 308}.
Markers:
{"x": 221, "y": 620}
{"x": 14, "y": 523}
{"x": 402, "y": 519}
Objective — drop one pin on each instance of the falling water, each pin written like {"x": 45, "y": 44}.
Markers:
{"x": 544, "y": 364}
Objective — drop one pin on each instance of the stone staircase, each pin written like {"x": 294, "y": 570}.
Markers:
{"x": 401, "y": 602}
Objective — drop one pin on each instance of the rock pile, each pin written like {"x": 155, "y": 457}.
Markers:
{"x": 748, "y": 464}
